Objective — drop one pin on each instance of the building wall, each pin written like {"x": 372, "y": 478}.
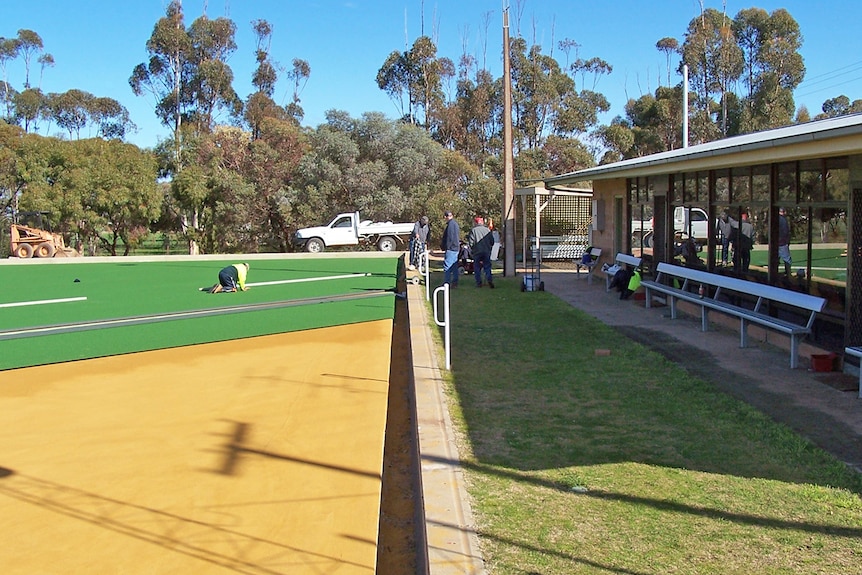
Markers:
{"x": 609, "y": 234}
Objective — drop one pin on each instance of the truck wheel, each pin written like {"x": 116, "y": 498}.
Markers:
{"x": 314, "y": 246}
{"x": 45, "y": 250}
{"x": 24, "y": 251}
{"x": 647, "y": 241}
{"x": 386, "y": 244}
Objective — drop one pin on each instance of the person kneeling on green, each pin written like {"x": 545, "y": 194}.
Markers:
{"x": 231, "y": 279}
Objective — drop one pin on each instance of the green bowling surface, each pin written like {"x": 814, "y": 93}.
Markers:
{"x": 54, "y": 312}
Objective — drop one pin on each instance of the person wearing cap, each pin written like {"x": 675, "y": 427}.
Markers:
{"x": 450, "y": 243}
{"x": 481, "y": 240}
{"x": 724, "y": 229}
{"x": 231, "y": 279}
{"x": 418, "y": 240}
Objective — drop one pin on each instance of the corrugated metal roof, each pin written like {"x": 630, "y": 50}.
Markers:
{"x": 779, "y": 137}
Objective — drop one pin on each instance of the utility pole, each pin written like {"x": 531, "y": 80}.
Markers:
{"x": 508, "y": 157}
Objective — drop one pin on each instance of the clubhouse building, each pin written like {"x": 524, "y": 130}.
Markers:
{"x": 813, "y": 171}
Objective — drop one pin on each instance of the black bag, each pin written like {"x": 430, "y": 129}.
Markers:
{"x": 621, "y": 279}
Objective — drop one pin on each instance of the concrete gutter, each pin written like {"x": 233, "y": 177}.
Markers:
{"x": 452, "y": 542}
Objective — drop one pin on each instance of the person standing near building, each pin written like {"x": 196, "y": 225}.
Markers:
{"x": 746, "y": 242}
{"x": 418, "y": 240}
{"x": 725, "y": 230}
{"x": 481, "y": 240}
{"x": 450, "y": 243}
{"x": 784, "y": 241}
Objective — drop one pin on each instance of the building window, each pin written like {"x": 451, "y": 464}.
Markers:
{"x": 786, "y": 184}
{"x": 740, "y": 185}
{"x": 722, "y": 186}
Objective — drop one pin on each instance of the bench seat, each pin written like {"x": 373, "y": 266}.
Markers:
{"x": 595, "y": 254}
{"x": 715, "y": 286}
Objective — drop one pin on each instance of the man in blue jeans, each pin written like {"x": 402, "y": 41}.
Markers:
{"x": 481, "y": 241}
{"x": 451, "y": 245}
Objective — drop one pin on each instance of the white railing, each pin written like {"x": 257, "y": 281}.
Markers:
{"x": 445, "y": 323}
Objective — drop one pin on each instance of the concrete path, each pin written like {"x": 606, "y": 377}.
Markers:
{"x": 452, "y": 543}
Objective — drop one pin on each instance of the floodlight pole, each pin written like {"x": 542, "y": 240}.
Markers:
{"x": 685, "y": 106}
{"x": 508, "y": 157}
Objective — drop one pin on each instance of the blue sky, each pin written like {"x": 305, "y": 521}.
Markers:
{"x": 97, "y": 43}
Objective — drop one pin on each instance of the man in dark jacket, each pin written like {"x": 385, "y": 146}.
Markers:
{"x": 450, "y": 243}
{"x": 480, "y": 240}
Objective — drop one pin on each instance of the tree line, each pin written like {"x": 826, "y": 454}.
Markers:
{"x": 241, "y": 174}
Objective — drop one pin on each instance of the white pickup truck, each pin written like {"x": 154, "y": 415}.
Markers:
{"x": 692, "y": 221}
{"x": 348, "y": 230}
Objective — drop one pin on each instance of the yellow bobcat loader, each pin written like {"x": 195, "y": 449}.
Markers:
{"x": 30, "y": 241}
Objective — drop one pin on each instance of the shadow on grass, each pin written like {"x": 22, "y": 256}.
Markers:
{"x": 534, "y": 396}
{"x": 657, "y": 504}
{"x": 540, "y": 551}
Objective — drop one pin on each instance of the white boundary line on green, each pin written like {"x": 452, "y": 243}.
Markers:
{"x": 300, "y": 280}
{"x": 42, "y": 301}
{"x": 317, "y": 279}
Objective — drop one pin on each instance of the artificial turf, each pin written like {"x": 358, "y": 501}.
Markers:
{"x": 121, "y": 288}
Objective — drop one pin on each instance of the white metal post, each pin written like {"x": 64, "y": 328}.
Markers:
{"x": 445, "y": 323}
{"x": 424, "y": 270}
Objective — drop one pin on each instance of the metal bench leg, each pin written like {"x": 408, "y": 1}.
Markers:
{"x": 743, "y": 333}
{"x": 704, "y": 319}
{"x": 794, "y": 351}
{"x": 672, "y": 306}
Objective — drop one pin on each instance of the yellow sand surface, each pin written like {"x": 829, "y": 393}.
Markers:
{"x": 260, "y": 455}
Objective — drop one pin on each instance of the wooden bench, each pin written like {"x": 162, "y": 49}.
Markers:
{"x": 595, "y": 254}
{"x": 856, "y": 352}
{"x": 621, "y": 259}
{"x": 720, "y": 293}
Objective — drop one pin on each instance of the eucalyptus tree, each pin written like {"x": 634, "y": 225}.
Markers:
{"x": 11, "y": 180}
{"x": 116, "y": 182}
{"x": 188, "y": 75}
{"x": 75, "y": 110}
{"x": 9, "y": 49}
{"x": 473, "y": 122}
{"x": 166, "y": 74}
{"x": 775, "y": 66}
{"x": 715, "y": 62}
{"x": 210, "y": 85}
{"x": 538, "y": 85}
{"x": 418, "y": 74}
{"x": 299, "y": 73}
{"x": 270, "y": 167}
{"x": 259, "y": 106}
{"x": 70, "y": 110}
{"x": 839, "y": 106}
{"x": 31, "y": 106}
{"x": 29, "y": 45}
{"x": 617, "y": 138}
{"x": 668, "y": 46}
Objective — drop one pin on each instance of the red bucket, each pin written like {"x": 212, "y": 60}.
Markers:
{"x": 822, "y": 361}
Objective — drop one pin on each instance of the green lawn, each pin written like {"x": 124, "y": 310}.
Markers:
{"x": 579, "y": 463}
{"x": 124, "y": 288}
